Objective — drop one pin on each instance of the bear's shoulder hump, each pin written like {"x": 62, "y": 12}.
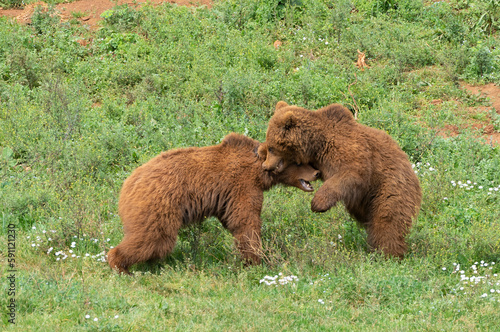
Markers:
{"x": 336, "y": 112}
{"x": 239, "y": 140}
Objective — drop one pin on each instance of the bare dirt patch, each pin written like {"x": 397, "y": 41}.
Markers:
{"x": 490, "y": 91}
{"x": 479, "y": 119}
{"x": 89, "y": 10}
{"x": 486, "y": 127}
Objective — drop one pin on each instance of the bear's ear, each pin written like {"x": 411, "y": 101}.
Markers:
{"x": 289, "y": 121}
{"x": 262, "y": 151}
{"x": 279, "y": 105}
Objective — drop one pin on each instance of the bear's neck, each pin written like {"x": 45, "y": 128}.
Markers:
{"x": 316, "y": 144}
{"x": 267, "y": 180}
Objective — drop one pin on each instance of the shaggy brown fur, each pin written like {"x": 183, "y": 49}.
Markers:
{"x": 183, "y": 186}
{"x": 363, "y": 167}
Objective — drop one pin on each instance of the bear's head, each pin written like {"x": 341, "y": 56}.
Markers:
{"x": 298, "y": 135}
{"x": 285, "y": 138}
{"x": 291, "y": 174}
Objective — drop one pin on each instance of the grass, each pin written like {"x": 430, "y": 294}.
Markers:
{"x": 76, "y": 120}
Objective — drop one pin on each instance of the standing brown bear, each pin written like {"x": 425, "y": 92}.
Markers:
{"x": 363, "y": 167}
{"x": 184, "y": 186}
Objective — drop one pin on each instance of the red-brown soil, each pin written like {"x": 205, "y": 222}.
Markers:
{"x": 486, "y": 127}
{"x": 477, "y": 118}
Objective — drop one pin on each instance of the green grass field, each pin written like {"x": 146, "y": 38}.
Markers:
{"x": 76, "y": 120}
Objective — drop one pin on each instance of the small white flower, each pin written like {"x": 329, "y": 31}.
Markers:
{"x": 117, "y": 316}
{"x": 326, "y": 43}
{"x": 484, "y": 295}
{"x": 96, "y": 319}
{"x": 33, "y": 227}
{"x": 87, "y": 316}
{"x": 444, "y": 269}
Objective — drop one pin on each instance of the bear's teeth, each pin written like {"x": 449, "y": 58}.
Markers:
{"x": 306, "y": 185}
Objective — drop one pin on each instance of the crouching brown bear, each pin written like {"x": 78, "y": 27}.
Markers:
{"x": 184, "y": 186}
{"x": 361, "y": 166}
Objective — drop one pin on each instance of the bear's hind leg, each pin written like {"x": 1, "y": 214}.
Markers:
{"x": 388, "y": 235}
{"x": 149, "y": 244}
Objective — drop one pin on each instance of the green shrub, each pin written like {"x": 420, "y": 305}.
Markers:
{"x": 484, "y": 64}
{"x": 44, "y": 20}
{"x": 122, "y": 17}
{"x": 11, "y": 3}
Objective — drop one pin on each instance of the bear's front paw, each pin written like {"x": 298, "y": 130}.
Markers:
{"x": 319, "y": 204}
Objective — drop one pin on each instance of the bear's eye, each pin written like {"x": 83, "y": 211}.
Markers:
{"x": 270, "y": 150}
{"x": 299, "y": 164}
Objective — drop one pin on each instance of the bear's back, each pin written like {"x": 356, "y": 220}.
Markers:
{"x": 196, "y": 177}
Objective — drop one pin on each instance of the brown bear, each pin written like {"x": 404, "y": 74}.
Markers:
{"x": 183, "y": 186}
{"x": 361, "y": 166}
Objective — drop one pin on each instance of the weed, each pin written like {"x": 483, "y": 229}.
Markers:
{"x": 122, "y": 17}
{"x": 44, "y": 19}
{"x": 12, "y": 3}
{"x": 78, "y": 14}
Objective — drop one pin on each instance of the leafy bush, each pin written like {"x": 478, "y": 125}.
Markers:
{"x": 11, "y": 3}
{"x": 44, "y": 20}
{"x": 484, "y": 64}
{"x": 122, "y": 17}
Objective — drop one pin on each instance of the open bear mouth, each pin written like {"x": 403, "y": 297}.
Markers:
{"x": 306, "y": 185}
